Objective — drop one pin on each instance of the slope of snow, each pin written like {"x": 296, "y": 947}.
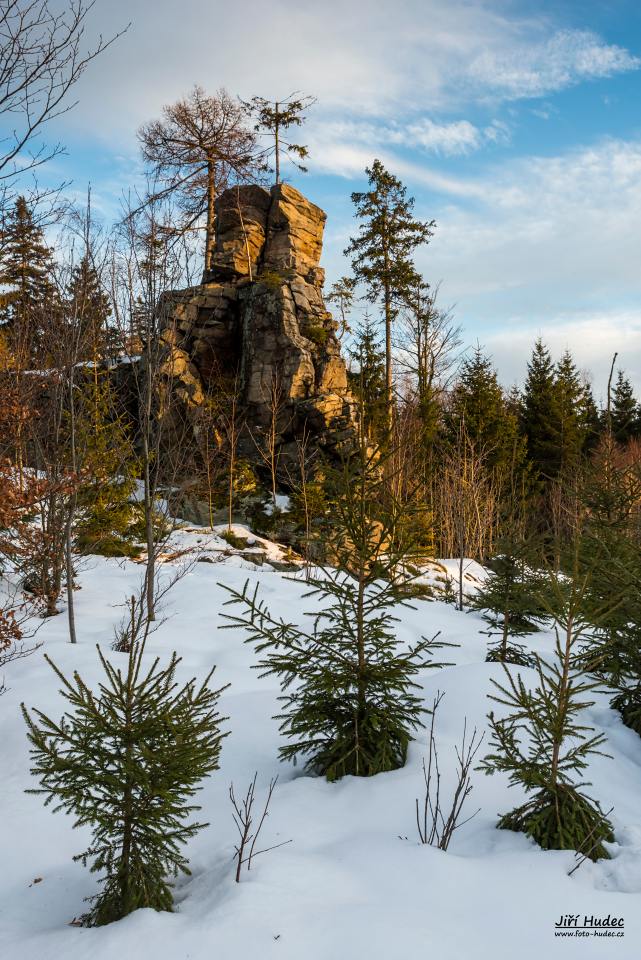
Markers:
{"x": 354, "y": 882}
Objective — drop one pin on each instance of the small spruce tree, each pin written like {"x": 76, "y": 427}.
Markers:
{"x": 350, "y": 697}
{"x": 543, "y": 743}
{"x": 611, "y": 494}
{"x": 107, "y": 522}
{"x": 508, "y": 601}
{"x": 126, "y": 761}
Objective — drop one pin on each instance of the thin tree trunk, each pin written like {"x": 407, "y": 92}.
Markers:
{"x": 563, "y": 698}
{"x": 242, "y": 227}
{"x": 124, "y": 867}
{"x": 71, "y": 615}
{"x": 211, "y": 214}
{"x": 389, "y": 385}
{"x": 506, "y": 633}
{"x": 277, "y": 144}
{"x": 149, "y": 533}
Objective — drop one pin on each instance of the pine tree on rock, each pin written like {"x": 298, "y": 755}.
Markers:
{"x": 382, "y": 251}
{"x": 543, "y": 742}
{"x": 349, "y": 692}
{"x": 126, "y": 762}
{"x": 27, "y": 287}
{"x": 273, "y": 119}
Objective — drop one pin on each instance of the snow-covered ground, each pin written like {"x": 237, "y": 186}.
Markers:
{"x": 354, "y": 883}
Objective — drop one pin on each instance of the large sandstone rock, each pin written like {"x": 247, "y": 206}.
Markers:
{"x": 260, "y": 314}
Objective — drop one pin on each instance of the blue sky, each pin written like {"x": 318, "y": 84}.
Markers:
{"x": 516, "y": 125}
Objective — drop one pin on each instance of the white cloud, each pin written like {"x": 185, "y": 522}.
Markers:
{"x": 345, "y": 147}
{"x": 358, "y": 58}
{"x": 561, "y": 60}
{"x": 543, "y": 243}
{"x": 444, "y": 138}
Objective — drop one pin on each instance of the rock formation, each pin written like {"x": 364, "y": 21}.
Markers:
{"x": 260, "y": 314}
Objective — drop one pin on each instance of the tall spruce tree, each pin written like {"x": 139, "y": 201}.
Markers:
{"x": 27, "y": 287}
{"x": 479, "y": 402}
{"x": 382, "y": 251}
{"x": 126, "y": 762}
{"x": 349, "y": 692}
{"x": 625, "y": 412}
{"x": 540, "y": 414}
{"x": 543, "y": 742}
{"x": 573, "y": 411}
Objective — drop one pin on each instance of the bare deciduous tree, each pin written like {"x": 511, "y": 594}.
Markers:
{"x": 43, "y": 54}
{"x": 435, "y": 826}
{"x": 426, "y": 348}
{"x": 466, "y": 504}
{"x": 200, "y": 146}
{"x": 267, "y": 443}
{"x": 144, "y": 264}
{"x": 244, "y": 818}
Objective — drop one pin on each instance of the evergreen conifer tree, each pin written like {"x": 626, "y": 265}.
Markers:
{"x": 107, "y": 521}
{"x": 543, "y": 743}
{"x": 611, "y": 494}
{"x": 508, "y": 600}
{"x": 479, "y": 402}
{"x": 382, "y": 251}
{"x": 477, "y": 398}
{"x": 126, "y": 762}
{"x": 273, "y": 119}
{"x": 26, "y": 284}
{"x": 88, "y": 310}
{"x": 573, "y": 410}
{"x": 625, "y": 413}
{"x": 350, "y": 697}
{"x": 368, "y": 381}
{"x": 540, "y": 415}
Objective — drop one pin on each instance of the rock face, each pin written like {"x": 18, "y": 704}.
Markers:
{"x": 260, "y": 314}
